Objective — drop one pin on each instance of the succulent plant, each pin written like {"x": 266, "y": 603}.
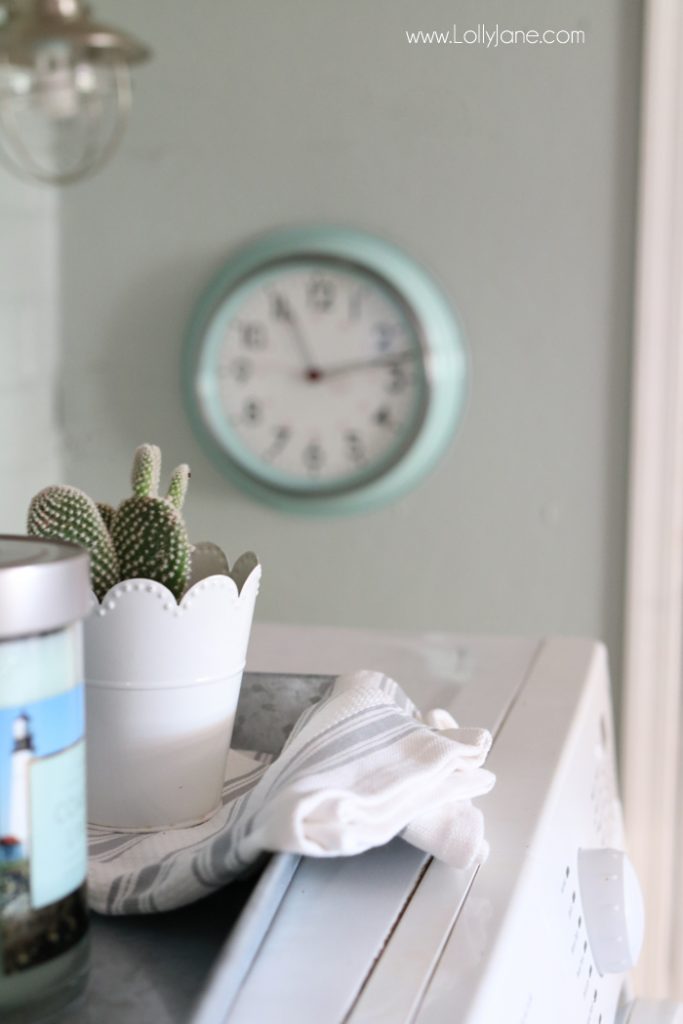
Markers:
{"x": 146, "y": 470}
{"x": 68, "y": 514}
{"x": 177, "y": 489}
{"x": 149, "y": 532}
{"x": 145, "y": 537}
{"x": 107, "y": 512}
{"x": 152, "y": 543}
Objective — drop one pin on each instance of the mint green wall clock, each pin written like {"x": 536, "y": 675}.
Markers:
{"x": 324, "y": 370}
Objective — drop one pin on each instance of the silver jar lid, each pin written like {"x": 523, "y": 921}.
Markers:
{"x": 44, "y": 585}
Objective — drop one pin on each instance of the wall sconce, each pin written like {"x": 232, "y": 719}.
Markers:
{"x": 65, "y": 88}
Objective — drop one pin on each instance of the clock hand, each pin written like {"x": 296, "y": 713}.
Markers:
{"x": 283, "y": 311}
{"x": 363, "y": 364}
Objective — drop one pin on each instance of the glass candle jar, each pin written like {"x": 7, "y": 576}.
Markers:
{"x": 44, "y": 595}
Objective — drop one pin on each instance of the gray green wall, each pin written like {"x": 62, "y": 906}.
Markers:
{"x": 509, "y": 173}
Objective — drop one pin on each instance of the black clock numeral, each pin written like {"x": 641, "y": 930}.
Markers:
{"x": 321, "y": 293}
{"x": 253, "y": 336}
{"x": 385, "y": 335}
{"x": 281, "y": 436}
{"x": 398, "y": 379}
{"x": 383, "y": 416}
{"x": 252, "y": 411}
{"x": 279, "y": 308}
{"x": 313, "y": 457}
{"x": 354, "y": 446}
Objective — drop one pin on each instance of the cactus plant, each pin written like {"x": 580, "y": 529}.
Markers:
{"x": 145, "y": 537}
{"x": 177, "y": 489}
{"x": 146, "y": 470}
{"x": 151, "y": 542}
{"x": 107, "y": 512}
{"x": 148, "y": 532}
{"x": 68, "y": 514}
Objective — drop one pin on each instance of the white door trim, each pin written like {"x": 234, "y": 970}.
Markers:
{"x": 651, "y": 727}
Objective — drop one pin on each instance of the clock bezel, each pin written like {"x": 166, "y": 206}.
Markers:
{"x": 436, "y": 331}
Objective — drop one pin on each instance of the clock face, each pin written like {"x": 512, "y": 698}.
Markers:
{"x": 314, "y": 376}
{"x": 324, "y": 369}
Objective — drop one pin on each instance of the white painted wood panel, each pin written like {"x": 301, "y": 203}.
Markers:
{"x": 651, "y": 727}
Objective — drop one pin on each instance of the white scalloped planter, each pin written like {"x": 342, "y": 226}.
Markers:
{"x": 162, "y": 683}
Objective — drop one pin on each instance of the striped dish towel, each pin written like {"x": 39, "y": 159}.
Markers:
{"x": 359, "y": 768}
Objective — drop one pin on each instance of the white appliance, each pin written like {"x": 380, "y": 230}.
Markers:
{"x": 543, "y": 933}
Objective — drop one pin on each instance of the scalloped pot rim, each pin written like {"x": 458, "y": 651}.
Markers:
{"x": 160, "y": 590}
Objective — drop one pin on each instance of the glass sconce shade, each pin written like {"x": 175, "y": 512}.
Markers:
{"x": 65, "y": 89}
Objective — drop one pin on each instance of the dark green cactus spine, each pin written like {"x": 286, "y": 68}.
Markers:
{"x": 66, "y": 513}
{"x": 148, "y": 532}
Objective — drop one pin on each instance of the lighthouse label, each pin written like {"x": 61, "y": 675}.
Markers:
{"x": 59, "y": 853}
{"x": 43, "y": 855}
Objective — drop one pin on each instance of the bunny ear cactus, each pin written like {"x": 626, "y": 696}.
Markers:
{"x": 152, "y": 543}
{"x": 68, "y": 514}
{"x": 146, "y": 471}
{"x": 145, "y": 537}
{"x": 148, "y": 532}
{"x": 177, "y": 489}
{"x": 107, "y": 512}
